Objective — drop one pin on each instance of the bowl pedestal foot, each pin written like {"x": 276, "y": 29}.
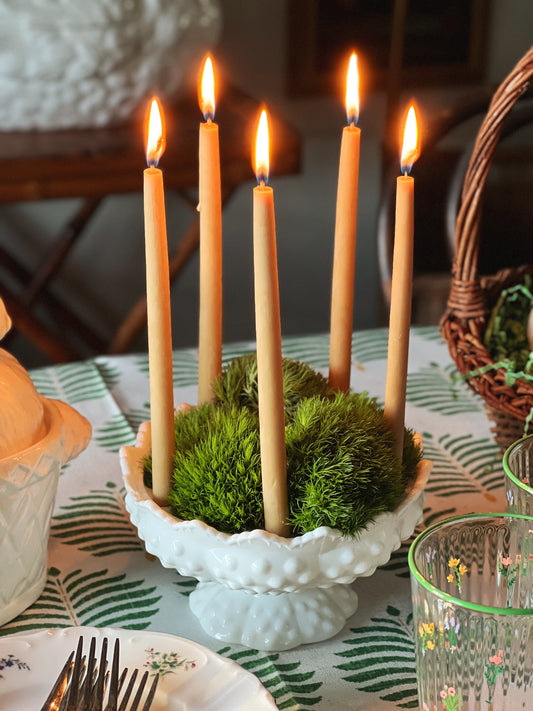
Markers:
{"x": 272, "y": 622}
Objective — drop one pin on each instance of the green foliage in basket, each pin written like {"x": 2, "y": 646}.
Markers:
{"x": 506, "y": 332}
{"x": 341, "y": 471}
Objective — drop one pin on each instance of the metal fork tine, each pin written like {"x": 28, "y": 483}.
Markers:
{"x": 72, "y": 703}
{"x": 129, "y": 689}
{"x": 59, "y": 688}
{"x": 122, "y": 679}
{"x": 86, "y": 687}
{"x": 151, "y": 694}
{"x": 99, "y": 686}
{"x": 112, "y": 699}
{"x": 75, "y": 690}
{"x": 136, "y": 700}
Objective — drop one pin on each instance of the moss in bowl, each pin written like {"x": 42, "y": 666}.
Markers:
{"x": 341, "y": 470}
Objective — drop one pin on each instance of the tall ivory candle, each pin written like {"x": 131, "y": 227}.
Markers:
{"x": 401, "y": 289}
{"x": 268, "y": 336}
{"x": 342, "y": 291}
{"x": 158, "y": 313}
{"x": 210, "y": 207}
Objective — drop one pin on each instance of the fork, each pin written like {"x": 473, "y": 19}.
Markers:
{"x": 81, "y": 684}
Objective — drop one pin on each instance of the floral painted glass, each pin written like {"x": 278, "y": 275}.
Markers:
{"x": 518, "y": 468}
{"x": 472, "y": 591}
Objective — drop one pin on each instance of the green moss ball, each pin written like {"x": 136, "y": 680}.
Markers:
{"x": 238, "y": 384}
{"x": 341, "y": 470}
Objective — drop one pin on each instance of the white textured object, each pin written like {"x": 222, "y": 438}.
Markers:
{"x": 27, "y": 494}
{"x": 28, "y": 481}
{"x": 73, "y": 63}
{"x": 256, "y": 588}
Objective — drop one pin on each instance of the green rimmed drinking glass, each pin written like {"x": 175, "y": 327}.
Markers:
{"x": 472, "y": 593}
{"x": 518, "y": 468}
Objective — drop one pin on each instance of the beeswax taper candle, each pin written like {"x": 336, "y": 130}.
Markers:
{"x": 342, "y": 291}
{"x": 268, "y": 336}
{"x": 158, "y": 311}
{"x": 210, "y": 207}
{"x": 401, "y": 287}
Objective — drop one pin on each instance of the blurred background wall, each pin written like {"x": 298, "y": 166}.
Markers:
{"x": 105, "y": 272}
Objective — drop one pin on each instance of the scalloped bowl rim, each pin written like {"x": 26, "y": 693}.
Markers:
{"x": 139, "y": 496}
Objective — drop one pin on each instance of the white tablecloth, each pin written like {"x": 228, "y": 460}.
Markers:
{"x": 99, "y": 574}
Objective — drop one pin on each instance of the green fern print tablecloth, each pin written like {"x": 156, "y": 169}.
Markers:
{"x": 99, "y": 575}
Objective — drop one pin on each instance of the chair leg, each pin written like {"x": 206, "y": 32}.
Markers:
{"x": 55, "y": 258}
{"x": 47, "y": 342}
{"x": 135, "y": 320}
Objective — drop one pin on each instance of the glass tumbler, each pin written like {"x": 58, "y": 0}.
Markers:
{"x": 472, "y": 592}
{"x": 518, "y": 468}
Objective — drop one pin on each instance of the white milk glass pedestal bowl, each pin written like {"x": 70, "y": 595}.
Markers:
{"x": 259, "y": 589}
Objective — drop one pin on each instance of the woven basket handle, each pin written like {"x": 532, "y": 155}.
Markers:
{"x": 466, "y": 298}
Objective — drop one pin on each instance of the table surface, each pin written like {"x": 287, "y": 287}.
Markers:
{"x": 370, "y": 663}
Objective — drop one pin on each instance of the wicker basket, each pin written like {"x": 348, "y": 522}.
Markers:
{"x": 472, "y": 298}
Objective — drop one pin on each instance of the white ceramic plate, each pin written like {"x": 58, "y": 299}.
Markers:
{"x": 193, "y": 678}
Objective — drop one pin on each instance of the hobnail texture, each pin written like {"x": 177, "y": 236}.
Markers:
{"x": 257, "y": 588}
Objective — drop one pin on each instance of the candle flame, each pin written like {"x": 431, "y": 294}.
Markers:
{"x": 352, "y": 91}
{"x": 262, "y": 156}
{"x": 155, "y": 142}
{"x": 207, "y": 100}
{"x": 411, "y": 145}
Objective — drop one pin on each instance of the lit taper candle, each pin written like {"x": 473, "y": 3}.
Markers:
{"x": 210, "y": 207}
{"x": 342, "y": 291}
{"x": 158, "y": 310}
{"x": 401, "y": 287}
{"x": 268, "y": 336}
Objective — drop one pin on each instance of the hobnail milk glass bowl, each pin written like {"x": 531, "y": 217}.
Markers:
{"x": 259, "y": 589}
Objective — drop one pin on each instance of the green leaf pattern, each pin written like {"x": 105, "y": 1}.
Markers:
{"x": 186, "y": 586}
{"x": 449, "y": 396}
{"x": 381, "y": 659}
{"x": 292, "y": 688}
{"x": 97, "y": 599}
{"x": 463, "y": 464}
{"x": 73, "y": 383}
{"x": 96, "y": 523}
{"x": 374, "y": 654}
{"x": 115, "y": 433}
